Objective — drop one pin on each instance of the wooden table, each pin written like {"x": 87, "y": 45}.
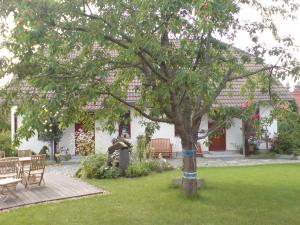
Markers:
{"x": 22, "y": 162}
{"x": 7, "y": 186}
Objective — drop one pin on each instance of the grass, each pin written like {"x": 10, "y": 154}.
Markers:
{"x": 256, "y": 195}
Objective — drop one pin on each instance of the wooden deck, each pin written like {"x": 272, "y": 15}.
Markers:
{"x": 58, "y": 187}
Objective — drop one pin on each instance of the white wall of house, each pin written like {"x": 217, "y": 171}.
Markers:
{"x": 234, "y": 135}
{"x": 265, "y": 111}
{"x": 203, "y": 127}
{"x": 234, "y": 139}
{"x": 32, "y": 143}
{"x": 68, "y": 139}
{"x": 103, "y": 138}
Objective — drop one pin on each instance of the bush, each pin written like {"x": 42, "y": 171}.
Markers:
{"x": 137, "y": 170}
{"x": 141, "y": 148}
{"x": 44, "y": 151}
{"x": 283, "y": 145}
{"x": 158, "y": 166}
{"x": 90, "y": 165}
{"x": 5, "y": 144}
{"x": 288, "y": 138}
{"x": 108, "y": 172}
{"x": 95, "y": 166}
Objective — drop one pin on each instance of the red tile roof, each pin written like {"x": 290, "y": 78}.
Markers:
{"x": 231, "y": 96}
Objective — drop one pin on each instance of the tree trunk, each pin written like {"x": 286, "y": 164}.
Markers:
{"x": 189, "y": 179}
{"x": 51, "y": 150}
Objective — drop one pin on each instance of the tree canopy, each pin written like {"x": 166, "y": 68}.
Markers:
{"x": 82, "y": 51}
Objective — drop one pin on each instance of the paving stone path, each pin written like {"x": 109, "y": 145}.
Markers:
{"x": 68, "y": 168}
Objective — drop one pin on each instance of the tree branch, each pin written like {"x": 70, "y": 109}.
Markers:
{"x": 252, "y": 73}
{"x": 221, "y": 86}
{"x": 162, "y": 120}
{"x": 213, "y": 129}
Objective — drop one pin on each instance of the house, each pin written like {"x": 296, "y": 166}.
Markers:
{"x": 231, "y": 139}
{"x": 296, "y": 95}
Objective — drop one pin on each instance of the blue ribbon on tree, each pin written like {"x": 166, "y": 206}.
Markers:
{"x": 190, "y": 175}
{"x": 188, "y": 153}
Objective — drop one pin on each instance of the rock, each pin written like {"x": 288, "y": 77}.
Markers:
{"x": 177, "y": 182}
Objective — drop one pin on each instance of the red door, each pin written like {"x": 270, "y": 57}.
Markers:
{"x": 218, "y": 143}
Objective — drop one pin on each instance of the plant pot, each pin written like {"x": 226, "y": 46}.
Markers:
{"x": 252, "y": 148}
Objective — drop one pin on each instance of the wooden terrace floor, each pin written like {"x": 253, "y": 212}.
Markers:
{"x": 57, "y": 187}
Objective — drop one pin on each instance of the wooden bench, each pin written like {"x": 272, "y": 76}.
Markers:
{"x": 161, "y": 146}
{"x": 198, "y": 150}
{"x": 8, "y": 186}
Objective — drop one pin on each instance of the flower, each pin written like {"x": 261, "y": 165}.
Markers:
{"x": 254, "y": 140}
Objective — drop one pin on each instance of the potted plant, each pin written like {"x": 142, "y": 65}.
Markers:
{"x": 252, "y": 144}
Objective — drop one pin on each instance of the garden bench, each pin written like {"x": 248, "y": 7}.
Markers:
{"x": 161, "y": 146}
{"x": 198, "y": 150}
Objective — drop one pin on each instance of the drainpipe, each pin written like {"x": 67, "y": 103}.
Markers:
{"x": 244, "y": 139}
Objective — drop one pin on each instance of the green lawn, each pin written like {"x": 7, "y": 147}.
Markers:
{"x": 265, "y": 195}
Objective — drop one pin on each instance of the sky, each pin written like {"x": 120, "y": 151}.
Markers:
{"x": 291, "y": 27}
{"x": 285, "y": 27}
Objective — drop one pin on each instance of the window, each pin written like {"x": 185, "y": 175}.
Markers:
{"x": 124, "y": 126}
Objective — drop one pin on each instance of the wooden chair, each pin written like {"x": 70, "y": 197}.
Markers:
{"x": 161, "y": 145}
{"x": 35, "y": 174}
{"x": 24, "y": 153}
{"x": 198, "y": 150}
{"x": 2, "y": 154}
{"x": 9, "y": 167}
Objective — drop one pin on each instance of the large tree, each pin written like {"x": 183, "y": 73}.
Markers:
{"x": 83, "y": 51}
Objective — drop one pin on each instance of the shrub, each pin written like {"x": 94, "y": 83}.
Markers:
{"x": 282, "y": 145}
{"x": 288, "y": 138}
{"x": 5, "y": 144}
{"x": 141, "y": 148}
{"x": 158, "y": 166}
{"x": 137, "y": 170}
{"x": 90, "y": 165}
{"x": 108, "y": 172}
{"x": 95, "y": 166}
{"x": 44, "y": 151}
